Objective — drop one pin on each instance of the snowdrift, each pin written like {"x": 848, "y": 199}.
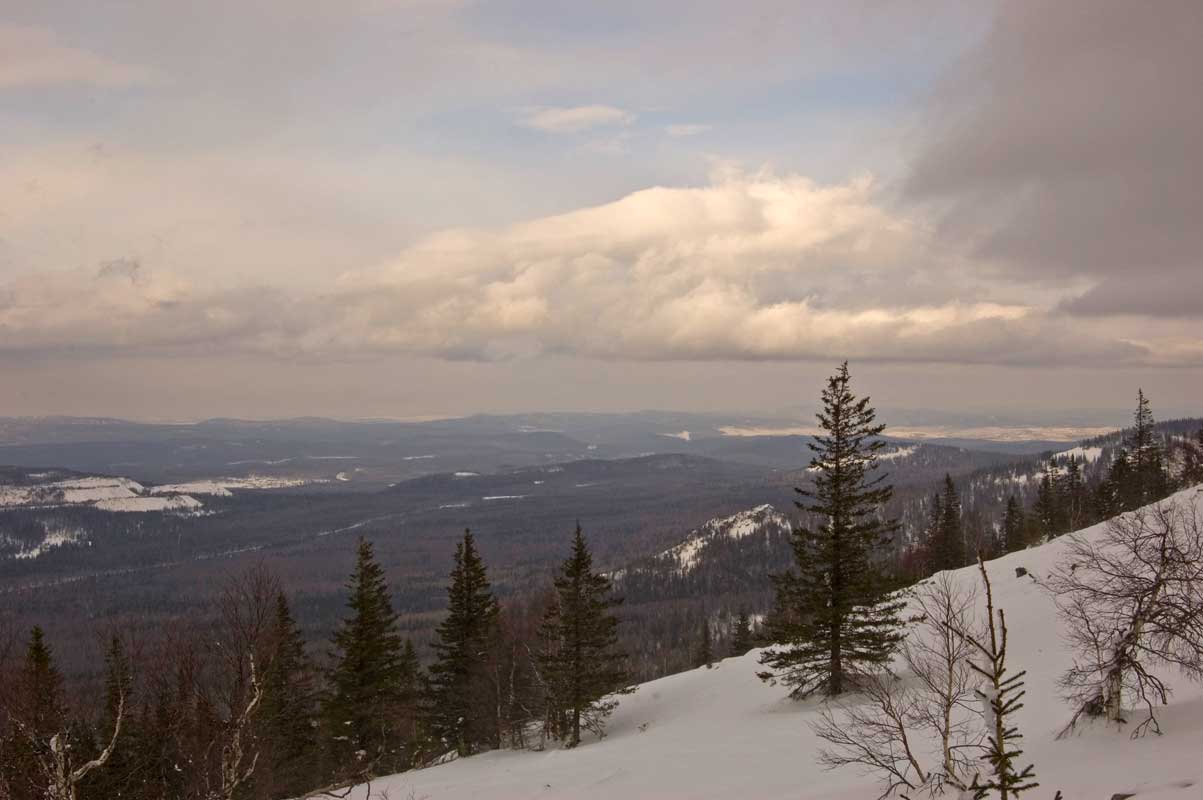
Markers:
{"x": 723, "y": 734}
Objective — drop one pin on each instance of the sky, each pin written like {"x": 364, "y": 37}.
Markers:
{"x": 416, "y": 208}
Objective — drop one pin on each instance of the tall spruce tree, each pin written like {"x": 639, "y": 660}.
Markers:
{"x": 949, "y": 545}
{"x": 287, "y": 710}
{"x": 359, "y": 709}
{"x": 580, "y": 660}
{"x": 1014, "y": 526}
{"x": 839, "y": 618}
{"x": 459, "y": 710}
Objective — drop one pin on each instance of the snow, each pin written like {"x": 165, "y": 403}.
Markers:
{"x": 1087, "y": 454}
{"x": 683, "y": 435}
{"x": 736, "y": 526}
{"x": 213, "y": 488}
{"x": 897, "y": 454}
{"x": 180, "y": 502}
{"x": 722, "y": 733}
{"x": 54, "y": 537}
{"x": 343, "y": 476}
{"x": 504, "y": 497}
{"x": 466, "y": 474}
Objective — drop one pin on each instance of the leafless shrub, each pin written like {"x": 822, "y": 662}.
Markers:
{"x": 1132, "y": 604}
{"x": 896, "y": 723}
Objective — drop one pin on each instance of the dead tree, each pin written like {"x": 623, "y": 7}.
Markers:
{"x": 894, "y": 723}
{"x": 1132, "y": 605}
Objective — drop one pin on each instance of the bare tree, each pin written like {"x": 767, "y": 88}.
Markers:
{"x": 1132, "y": 604}
{"x": 899, "y": 721}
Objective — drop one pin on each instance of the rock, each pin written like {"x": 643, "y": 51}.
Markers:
{"x": 1020, "y": 572}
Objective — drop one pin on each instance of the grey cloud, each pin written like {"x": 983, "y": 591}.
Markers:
{"x": 1067, "y": 148}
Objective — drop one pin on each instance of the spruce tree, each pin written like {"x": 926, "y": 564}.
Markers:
{"x": 459, "y": 712}
{"x": 1072, "y": 497}
{"x": 839, "y": 618}
{"x": 286, "y": 711}
{"x": 581, "y": 663}
{"x": 119, "y": 776}
{"x": 1046, "y": 511}
{"x": 949, "y": 544}
{"x": 1014, "y": 526}
{"x": 359, "y": 709}
{"x": 1148, "y": 478}
{"x": 35, "y": 714}
{"x": 742, "y": 637}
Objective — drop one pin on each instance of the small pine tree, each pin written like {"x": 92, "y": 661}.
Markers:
{"x": 458, "y": 711}
{"x": 1001, "y": 698}
{"x": 742, "y": 638}
{"x": 359, "y": 708}
{"x": 1014, "y": 526}
{"x": 580, "y": 660}
{"x": 837, "y": 614}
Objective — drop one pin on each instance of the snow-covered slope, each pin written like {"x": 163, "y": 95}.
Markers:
{"x": 723, "y": 734}
{"x": 763, "y": 518}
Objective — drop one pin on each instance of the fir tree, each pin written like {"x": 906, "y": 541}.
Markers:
{"x": 949, "y": 544}
{"x": 286, "y": 711}
{"x": 838, "y": 617}
{"x": 580, "y": 660}
{"x": 1014, "y": 526}
{"x": 742, "y": 638}
{"x": 459, "y": 713}
{"x": 360, "y": 707}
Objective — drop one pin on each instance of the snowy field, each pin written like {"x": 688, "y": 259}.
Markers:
{"x": 722, "y": 734}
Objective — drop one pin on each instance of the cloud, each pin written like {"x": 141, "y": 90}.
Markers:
{"x": 34, "y": 58}
{"x": 683, "y": 130}
{"x": 749, "y": 267}
{"x": 575, "y": 119}
{"x": 1065, "y": 149}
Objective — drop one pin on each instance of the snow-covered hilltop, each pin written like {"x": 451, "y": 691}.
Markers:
{"x": 723, "y": 734}
{"x": 762, "y": 519}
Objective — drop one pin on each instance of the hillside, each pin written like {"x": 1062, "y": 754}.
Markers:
{"x": 722, "y": 733}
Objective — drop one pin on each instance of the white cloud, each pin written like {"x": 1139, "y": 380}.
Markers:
{"x": 575, "y": 119}
{"x": 34, "y": 58}
{"x": 749, "y": 267}
{"x": 682, "y": 130}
